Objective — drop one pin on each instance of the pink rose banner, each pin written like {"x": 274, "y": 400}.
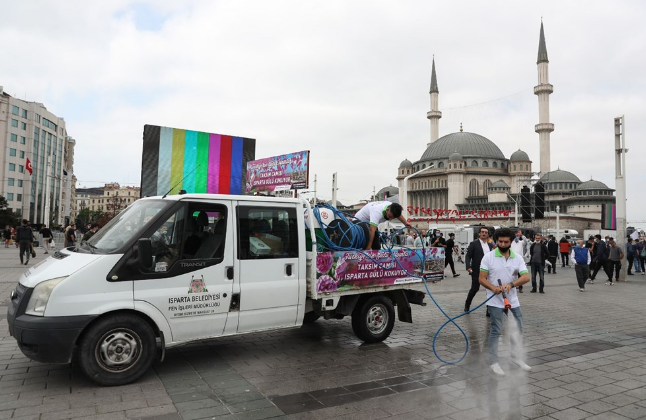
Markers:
{"x": 349, "y": 270}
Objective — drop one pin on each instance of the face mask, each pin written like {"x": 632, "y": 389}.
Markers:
{"x": 579, "y": 246}
{"x": 503, "y": 249}
{"x": 516, "y": 240}
{"x": 437, "y": 234}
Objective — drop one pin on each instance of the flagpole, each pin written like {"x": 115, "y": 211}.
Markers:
{"x": 47, "y": 175}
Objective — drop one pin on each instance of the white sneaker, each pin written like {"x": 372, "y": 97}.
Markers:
{"x": 524, "y": 366}
{"x": 497, "y": 369}
{"x": 581, "y": 289}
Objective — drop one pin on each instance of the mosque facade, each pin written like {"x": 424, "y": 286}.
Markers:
{"x": 466, "y": 173}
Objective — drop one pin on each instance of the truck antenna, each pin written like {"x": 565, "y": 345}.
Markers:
{"x": 182, "y": 180}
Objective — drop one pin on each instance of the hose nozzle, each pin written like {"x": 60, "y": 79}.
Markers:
{"x": 504, "y": 297}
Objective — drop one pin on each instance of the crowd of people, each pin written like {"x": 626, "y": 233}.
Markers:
{"x": 25, "y": 237}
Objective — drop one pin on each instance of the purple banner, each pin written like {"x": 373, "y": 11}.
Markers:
{"x": 349, "y": 270}
{"x": 278, "y": 173}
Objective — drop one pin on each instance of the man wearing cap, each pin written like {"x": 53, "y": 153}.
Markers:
{"x": 448, "y": 254}
{"x": 378, "y": 212}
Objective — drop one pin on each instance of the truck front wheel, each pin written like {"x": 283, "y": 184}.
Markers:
{"x": 373, "y": 319}
{"x": 117, "y": 350}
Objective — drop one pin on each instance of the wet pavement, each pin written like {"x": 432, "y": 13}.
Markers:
{"x": 587, "y": 352}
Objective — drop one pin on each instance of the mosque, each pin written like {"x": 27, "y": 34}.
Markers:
{"x": 466, "y": 173}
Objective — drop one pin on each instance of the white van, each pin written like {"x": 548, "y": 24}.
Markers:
{"x": 169, "y": 270}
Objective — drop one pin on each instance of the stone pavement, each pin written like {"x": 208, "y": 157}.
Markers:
{"x": 587, "y": 350}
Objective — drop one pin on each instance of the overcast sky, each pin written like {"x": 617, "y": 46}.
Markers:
{"x": 347, "y": 80}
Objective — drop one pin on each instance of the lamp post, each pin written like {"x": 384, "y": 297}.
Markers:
{"x": 403, "y": 199}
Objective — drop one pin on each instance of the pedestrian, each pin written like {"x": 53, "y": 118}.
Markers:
{"x": 477, "y": 249}
{"x": 24, "y": 238}
{"x": 642, "y": 255}
{"x": 418, "y": 243}
{"x": 501, "y": 271}
{"x": 601, "y": 257}
{"x": 520, "y": 246}
{"x": 564, "y": 248}
{"x": 6, "y": 234}
{"x": 581, "y": 257}
{"x": 437, "y": 239}
{"x": 615, "y": 255}
{"x": 378, "y": 212}
{"x": 409, "y": 240}
{"x": 630, "y": 255}
{"x": 593, "y": 252}
{"x": 70, "y": 236}
{"x": 47, "y": 236}
{"x": 538, "y": 254}
{"x": 448, "y": 255}
{"x": 553, "y": 249}
{"x": 94, "y": 227}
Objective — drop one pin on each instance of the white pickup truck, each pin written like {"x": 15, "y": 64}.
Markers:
{"x": 169, "y": 270}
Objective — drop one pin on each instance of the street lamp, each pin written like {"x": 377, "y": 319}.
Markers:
{"x": 403, "y": 199}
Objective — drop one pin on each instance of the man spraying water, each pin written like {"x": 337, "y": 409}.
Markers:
{"x": 501, "y": 271}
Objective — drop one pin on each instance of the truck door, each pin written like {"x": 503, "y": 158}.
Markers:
{"x": 192, "y": 261}
{"x": 268, "y": 265}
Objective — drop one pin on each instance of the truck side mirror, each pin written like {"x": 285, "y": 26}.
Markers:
{"x": 144, "y": 253}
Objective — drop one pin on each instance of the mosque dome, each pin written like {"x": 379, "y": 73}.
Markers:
{"x": 455, "y": 156}
{"x": 592, "y": 185}
{"x": 560, "y": 175}
{"x": 467, "y": 144}
{"x": 405, "y": 164}
{"x": 386, "y": 192}
{"x": 519, "y": 156}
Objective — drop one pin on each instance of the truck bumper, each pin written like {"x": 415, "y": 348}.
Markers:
{"x": 48, "y": 339}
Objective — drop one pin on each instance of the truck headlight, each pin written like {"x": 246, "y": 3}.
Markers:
{"x": 40, "y": 297}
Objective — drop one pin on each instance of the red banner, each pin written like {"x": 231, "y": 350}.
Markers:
{"x": 421, "y": 213}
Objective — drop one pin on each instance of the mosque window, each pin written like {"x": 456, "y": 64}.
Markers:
{"x": 460, "y": 166}
{"x": 474, "y": 163}
{"x": 408, "y": 172}
{"x": 474, "y": 188}
{"x": 495, "y": 164}
{"x": 514, "y": 167}
{"x": 527, "y": 167}
{"x": 486, "y": 186}
{"x": 485, "y": 164}
{"x": 440, "y": 165}
{"x": 424, "y": 166}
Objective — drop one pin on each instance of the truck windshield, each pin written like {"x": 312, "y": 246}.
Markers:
{"x": 125, "y": 225}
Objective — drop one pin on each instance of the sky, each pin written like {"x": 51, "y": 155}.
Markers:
{"x": 347, "y": 80}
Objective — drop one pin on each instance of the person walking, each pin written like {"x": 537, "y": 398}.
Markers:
{"x": 24, "y": 237}
{"x": 630, "y": 255}
{"x": 642, "y": 255}
{"x": 448, "y": 255}
{"x": 581, "y": 257}
{"x": 520, "y": 246}
{"x": 600, "y": 258}
{"x": 47, "y": 236}
{"x": 553, "y": 249}
{"x": 70, "y": 236}
{"x": 615, "y": 255}
{"x": 6, "y": 234}
{"x": 501, "y": 271}
{"x": 477, "y": 249}
{"x": 564, "y": 248}
{"x": 538, "y": 254}
{"x": 593, "y": 252}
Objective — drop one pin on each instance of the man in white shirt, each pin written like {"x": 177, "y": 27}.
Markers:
{"x": 520, "y": 246}
{"x": 504, "y": 266}
{"x": 378, "y": 212}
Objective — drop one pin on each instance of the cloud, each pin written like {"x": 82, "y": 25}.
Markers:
{"x": 347, "y": 80}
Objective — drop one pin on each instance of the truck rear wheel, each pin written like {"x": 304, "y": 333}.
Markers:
{"x": 373, "y": 319}
{"x": 117, "y": 350}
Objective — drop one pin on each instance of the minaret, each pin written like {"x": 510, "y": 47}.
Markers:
{"x": 543, "y": 90}
{"x": 434, "y": 114}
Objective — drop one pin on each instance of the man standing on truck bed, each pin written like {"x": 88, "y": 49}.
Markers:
{"x": 378, "y": 212}
{"x": 476, "y": 251}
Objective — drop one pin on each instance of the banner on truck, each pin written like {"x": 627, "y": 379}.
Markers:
{"x": 347, "y": 270}
{"x": 279, "y": 173}
{"x": 194, "y": 161}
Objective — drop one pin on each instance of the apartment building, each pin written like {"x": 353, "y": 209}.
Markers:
{"x": 36, "y": 161}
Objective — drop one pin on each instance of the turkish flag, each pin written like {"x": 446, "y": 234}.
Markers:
{"x": 28, "y": 166}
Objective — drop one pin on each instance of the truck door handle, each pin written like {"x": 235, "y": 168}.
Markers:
{"x": 230, "y": 273}
{"x": 288, "y": 269}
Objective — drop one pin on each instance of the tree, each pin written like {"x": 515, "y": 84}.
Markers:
{"x": 7, "y": 216}
{"x": 85, "y": 215}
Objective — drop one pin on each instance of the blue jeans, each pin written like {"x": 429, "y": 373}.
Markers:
{"x": 496, "y": 332}
{"x": 638, "y": 265}
{"x": 540, "y": 269}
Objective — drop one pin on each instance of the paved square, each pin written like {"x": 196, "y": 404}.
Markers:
{"x": 587, "y": 352}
